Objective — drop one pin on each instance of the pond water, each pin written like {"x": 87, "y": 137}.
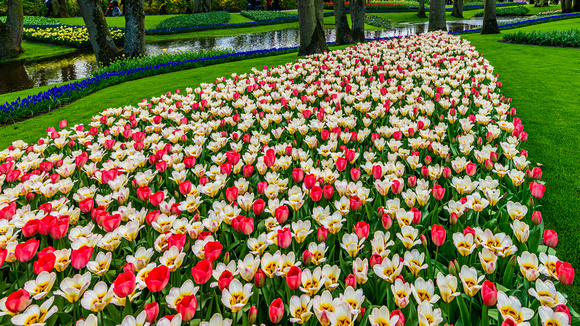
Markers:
{"x": 20, "y": 75}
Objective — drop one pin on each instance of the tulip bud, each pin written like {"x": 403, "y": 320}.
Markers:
{"x": 412, "y": 181}
{"x": 322, "y": 234}
{"x": 565, "y": 272}
{"x": 446, "y": 173}
{"x": 293, "y": 277}
{"x": 387, "y": 221}
{"x": 252, "y": 315}
{"x": 306, "y": 257}
{"x": 401, "y": 321}
{"x": 350, "y": 281}
{"x": 276, "y": 311}
{"x": 453, "y": 219}
{"x": 376, "y": 259}
{"x": 537, "y": 173}
{"x": 424, "y": 242}
{"x": 452, "y": 269}
{"x": 537, "y": 217}
{"x": 470, "y": 169}
{"x": 489, "y": 293}
{"x": 550, "y": 238}
{"x": 355, "y": 174}
{"x": 488, "y": 164}
{"x": 259, "y": 278}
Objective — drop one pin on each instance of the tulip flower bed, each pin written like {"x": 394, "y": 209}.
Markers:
{"x": 509, "y": 11}
{"x": 378, "y": 21}
{"x": 258, "y": 15}
{"x": 385, "y": 183}
{"x": 75, "y": 36}
{"x": 569, "y": 38}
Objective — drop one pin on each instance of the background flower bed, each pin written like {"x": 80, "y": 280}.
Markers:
{"x": 381, "y": 165}
{"x": 524, "y": 22}
{"x": 570, "y": 38}
{"x": 258, "y": 15}
{"x": 75, "y": 36}
{"x": 192, "y": 20}
{"x": 378, "y": 21}
{"x": 508, "y": 11}
{"x": 36, "y": 20}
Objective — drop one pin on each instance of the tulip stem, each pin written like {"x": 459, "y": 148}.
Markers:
{"x": 435, "y": 264}
{"x": 449, "y": 313}
{"x": 484, "y": 316}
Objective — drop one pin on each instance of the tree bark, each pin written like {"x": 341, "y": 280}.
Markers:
{"x": 457, "y": 9}
{"x": 343, "y": 32}
{"x": 357, "y": 16}
{"x": 135, "y": 28}
{"x": 202, "y": 6}
{"x": 437, "y": 19}
{"x": 311, "y": 25}
{"x": 576, "y": 6}
{"x": 566, "y": 6}
{"x": 421, "y": 13}
{"x": 489, "y": 18}
{"x": 11, "y": 31}
{"x": 103, "y": 45}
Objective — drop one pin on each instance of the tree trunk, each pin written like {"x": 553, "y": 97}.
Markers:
{"x": 11, "y": 31}
{"x": 566, "y": 6}
{"x": 421, "y": 13}
{"x": 357, "y": 16}
{"x": 437, "y": 19}
{"x": 135, "y": 30}
{"x": 101, "y": 40}
{"x": 202, "y": 6}
{"x": 343, "y": 32}
{"x": 457, "y": 9}
{"x": 489, "y": 18}
{"x": 311, "y": 25}
{"x": 576, "y": 7}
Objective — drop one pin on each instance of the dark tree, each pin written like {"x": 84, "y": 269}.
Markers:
{"x": 103, "y": 45}
{"x": 60, "y": 8}
{"x": 457, "y": 9}
{"x": 311, "y": 25}
{"x": 135, "y": 30}
{"x": 437, "y": 19}
{"x": 489, "y": 18}
{"x": 11, "y": 31}
{"x": 202, "y": 6}
{"x": 421, "y": 13}
{"x": 343, "y": 32}
{"x": 576, "y": 7}
{"x": 357, "y": 16}
{"x": 567, "y": 6}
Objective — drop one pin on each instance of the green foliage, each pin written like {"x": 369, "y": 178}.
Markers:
{"x": 36, "y": 20}
{"x": 569, "y": 38}
{"x": 30, "y": 8}
{"x": 77, "y": 37}
{"x": 507, "y": 11}
{"x": 378, "y": 21}
{"x": 206, "y": 18}
{"x": 164, "y": 7}
{"x": 229, "y": 5}
{"x": 129, "y": 63}
{"x": 258, "y": 15}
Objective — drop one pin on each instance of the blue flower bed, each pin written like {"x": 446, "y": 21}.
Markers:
{"x": 524, "y": 23}
{"x": 413, "y": 9}
{"x": 60, "y": 95}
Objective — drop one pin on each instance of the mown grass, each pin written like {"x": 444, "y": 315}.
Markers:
{"x": 37, "y": 51}
{"x": 542, "y": 81}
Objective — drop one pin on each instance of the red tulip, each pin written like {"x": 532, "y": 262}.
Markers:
{"x": 438, "y": 234}
{"x": 375, "y": 259}
{"x": 438, "y": 192}
{"x": 306, "y": 257}
{"x": 176, "y": 240}
{"x": 252, "y": 315}
{"x": 350, "y": 281}
{"x": 321, "y": 234}
{"x": 151, "y": 310}
{"x": 185, "y": 187}
{"x": 316, "y": 193}
{"x": 232, "y": 193}
{"x": 247, "y": 225}
{"x": 258, "y": 206}
{"x": 309, "y": 181}
{"x": 362, "y": 230}
{"x": 233, "y": 157}
{"x": 45, "y": 263}
{"x": 355, "y": 174}
{"x": 111, "y": 222}
{"x": 387, "y": 221}
{"x": 86, "y": 205}
{"x": 284, "y": 237}
{"x": 212, "y": 250}
{"x": 327, "y": 192}
{"x": 537, "y": 173}
{"x": 297, "y": 175}
{"x": 3, "y": 253}
{"x": 401, "y": 321}
{"x": 377, "y": 172}
{"x": 276, "y": 311}
{"x": 262, "y": 187}
{"x": 355, "y": 203}
{"x": 565, "y": 272}
{"x": 537, "y": 217}
{"x": 202, "y": 271}
{"x": 45, "y": 224}
{"x": 157, "y": 279}
{"x": 26, "y": 250}
{"x": 143, "y": 193}
{"x": 412, "y": 181}
{"x": 187, "y": 307}
{"x": 189, "y": 162}
{"x": 281, "y": 213}
{"x": 269, "y": 160}
{"x": 293, "y": 278}
{"x": 341, "y": 164}
{"x": 60, "y": 228}
{"x": 489, "y": 293}
{"x": 124, "y": 284}
{"x": 30, "y": 229}
{"x": 156, "y": 198}
{"x": 470, "y": 169}
{"x": 81, "y": 257}
{"x": 537, "y": 189}
{"x": 396, "y": 187}
{"x": 259, "y": 278}
{"x": 225, "y": 279}
{"x": 247, "y": 170}
{"x": 17, "y": 301}
{"x": 563, "y": 308}
{"x": 550, "y": 238}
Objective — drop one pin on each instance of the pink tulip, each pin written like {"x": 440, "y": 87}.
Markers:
{"x": 537, "y": 189}
{"x": 284, "y": 237}
{"x": 565, "y": 272}
{"x": 438, "y": 234}
{"x": 550, "y": 238}
{"x": 489, "y": 293}
{"x": 293, "y": 277}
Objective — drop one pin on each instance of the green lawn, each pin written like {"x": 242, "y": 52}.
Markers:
{"x": 151, "y": 21}
{"x": 37, "y": 51}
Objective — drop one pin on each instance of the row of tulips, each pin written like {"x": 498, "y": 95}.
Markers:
{"x": 383, "y": 184}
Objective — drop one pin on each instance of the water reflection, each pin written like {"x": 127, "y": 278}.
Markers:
{"x": 21, "y": 75}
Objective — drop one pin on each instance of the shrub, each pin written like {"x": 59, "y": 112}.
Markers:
{"x": 209, "y": 18}
{"x": 266, "y": 15}
{"x": 508, "y": 11}
{"x": 377, "y": 21}
{"x": 228, "y": 5}
{"x": 570, "y": 38}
